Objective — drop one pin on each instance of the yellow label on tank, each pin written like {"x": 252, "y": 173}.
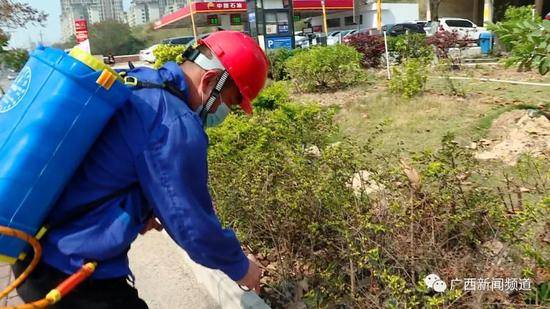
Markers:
{"x": 91, "y": 61}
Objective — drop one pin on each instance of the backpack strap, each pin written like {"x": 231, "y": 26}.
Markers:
{"x": 132, "y": 81}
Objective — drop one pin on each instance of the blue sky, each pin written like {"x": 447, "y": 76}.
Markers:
{"x": 52, "y": 30}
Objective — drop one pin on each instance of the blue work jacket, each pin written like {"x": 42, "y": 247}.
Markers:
{"x": 156, "y": 146}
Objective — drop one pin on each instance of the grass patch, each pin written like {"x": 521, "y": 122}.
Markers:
{"x": 393, "y": 123}
{"x": 396, "y": 124}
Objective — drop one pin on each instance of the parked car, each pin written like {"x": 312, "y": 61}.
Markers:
{"x": 424, "y": 24}
{"x": 464, "y": 27}
{"x": 147, "y": 54}
{"x": 301, "y": 40}
{"x": 337, "y": 37}
{"x": 332, "y": 37}
{"x": 402, "y": 28}
{"x": 345, "y": 36}
{"x": 182, "y": 40}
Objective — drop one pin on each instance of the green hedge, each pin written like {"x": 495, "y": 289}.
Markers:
{"x": 337, "y": 227}
{"x": 164, "y": 53}
{"x": 325, "y": 68}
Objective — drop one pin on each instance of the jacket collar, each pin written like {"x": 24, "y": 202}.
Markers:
{"x": 171, "y": 72}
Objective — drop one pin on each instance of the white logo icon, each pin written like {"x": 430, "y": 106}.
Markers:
{"x": 434, "y": 282}
{"x": 17, "y": 90}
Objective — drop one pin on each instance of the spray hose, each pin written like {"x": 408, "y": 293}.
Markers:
{"x": 54, "y": 295}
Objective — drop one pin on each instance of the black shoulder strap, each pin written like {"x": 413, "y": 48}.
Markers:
{"x": 82, "y": 210}
{"x": 168, "y": 86}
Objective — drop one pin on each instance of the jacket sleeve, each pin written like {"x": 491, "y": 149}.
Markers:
{"x": 173, "y": 173}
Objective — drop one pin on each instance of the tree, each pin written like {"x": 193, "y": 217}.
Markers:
{"x": 69, "y": 43}
{"x": 434, "y": 8}
{"x": 113, "y": 37}
{"x": 14, "y": 15}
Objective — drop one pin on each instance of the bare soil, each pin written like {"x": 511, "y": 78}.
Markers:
{"x": 515, "y": 133}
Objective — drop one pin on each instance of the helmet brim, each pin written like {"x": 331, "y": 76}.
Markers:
{"x": 246, "y": 106}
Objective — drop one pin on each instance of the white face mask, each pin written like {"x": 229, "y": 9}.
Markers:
{"x": 216, "y": 118}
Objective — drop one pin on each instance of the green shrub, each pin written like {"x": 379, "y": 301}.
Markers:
{"x": 272, "y": 96}
{"x": 409, "y": 78}
{"x": 277, "y": 65}
{"x": 527, "y": 40}
{"x": 164, "y": 53}
{"x": 325, "y": 68}
{"x": 338, "y": 227}
{"x": 519, "y": 13}
{"x": 410, "y": 45}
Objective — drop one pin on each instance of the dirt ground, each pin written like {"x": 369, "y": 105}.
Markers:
{"x": 515, "y": 133}
{"x": 501, "y": 73}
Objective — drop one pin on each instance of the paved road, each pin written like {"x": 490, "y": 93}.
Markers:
{"x": 161, "y": 277}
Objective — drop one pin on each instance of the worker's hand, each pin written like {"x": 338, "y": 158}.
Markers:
{"x": 252, "y": 277}
{"x": 152, "y": 223}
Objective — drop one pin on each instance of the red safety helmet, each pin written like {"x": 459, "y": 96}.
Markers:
{"x": 243, "y": 59}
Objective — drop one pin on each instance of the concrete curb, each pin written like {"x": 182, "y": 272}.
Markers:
{"x": 223, "y": 290}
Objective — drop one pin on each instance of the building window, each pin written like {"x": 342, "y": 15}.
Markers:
{"x": 236, "y": 19}
{"x": 213, "y": 20}
{"x": 348, "y": 21}
{"x": 333, "y": 22}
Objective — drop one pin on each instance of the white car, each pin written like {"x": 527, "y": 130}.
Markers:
{"x": 301, "y": 40}
{"x": 464, "y": 27}
{"x": 147, "y": 54}
{"x": 332, "y": 37}
{"x": 336, "y": 37}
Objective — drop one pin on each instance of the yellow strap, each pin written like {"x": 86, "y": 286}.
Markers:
{"x": 7, "y": 259}
{"x": 41, "y": 232}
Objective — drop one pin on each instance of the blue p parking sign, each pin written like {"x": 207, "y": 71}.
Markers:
{"x": 278, "y": 42}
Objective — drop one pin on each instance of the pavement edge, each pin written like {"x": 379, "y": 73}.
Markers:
{"x": 223, "y": 290}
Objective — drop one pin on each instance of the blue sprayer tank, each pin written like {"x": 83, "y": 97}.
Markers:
{"x": 49, "y": 118}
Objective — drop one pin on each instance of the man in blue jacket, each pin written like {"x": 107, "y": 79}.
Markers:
{"x": 150, "y": 162}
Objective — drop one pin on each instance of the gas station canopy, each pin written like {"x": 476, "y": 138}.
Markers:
{"x": 202, "y": 11}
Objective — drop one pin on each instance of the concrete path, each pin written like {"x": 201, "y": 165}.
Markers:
{"x": 162, "y": 278}
{"x": 6, "y": 276}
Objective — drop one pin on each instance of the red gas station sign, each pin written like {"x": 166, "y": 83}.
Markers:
{"x": 219, "y": 6}
{"x": 81, "y": 30}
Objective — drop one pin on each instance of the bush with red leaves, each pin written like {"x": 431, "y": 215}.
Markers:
{"x": 445, "y": 40}
{"x": 371, "y": 48}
